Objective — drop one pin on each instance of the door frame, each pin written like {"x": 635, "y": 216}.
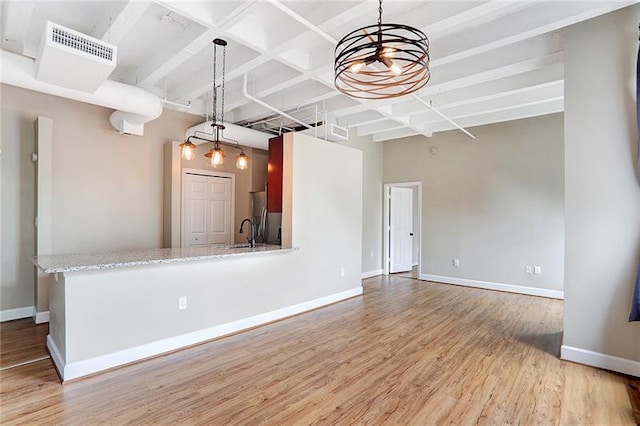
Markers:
{"x": 183, "y": 193}
{"x": 386, "y": 218}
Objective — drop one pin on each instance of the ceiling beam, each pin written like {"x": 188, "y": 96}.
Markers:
{"x": 517, "y": 27}
{"x": 471, "y": 17}
{"x": 517, "y": 112}
{"x": 507, "y": 100}
{"x": 118, "y": 27}
{"x": 150, "y": 73}
{"x": 547, "y": 75}
{"x": 395, "y": 134}
{"x": 16, "y": 17}
{"x": 381, "y": 126}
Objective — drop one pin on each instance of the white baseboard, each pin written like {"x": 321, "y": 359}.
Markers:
{"x": 41, "y": 317}
{"x": 88, "y": 366}
{"x": 533, "y": 291}
{"x": 370, "y": 274}
{"x": 56, "y": 356}
{"x": 18, "y": 313}
{"x": 597, "y": 359}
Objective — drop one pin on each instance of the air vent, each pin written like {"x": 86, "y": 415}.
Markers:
{"x": 329, "y": 131}
{"x": 339, "y": 132}
{"x": 74, "y": 60}
{"x": 82, "y": 43}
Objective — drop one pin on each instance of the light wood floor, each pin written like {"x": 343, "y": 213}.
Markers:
{"x": 22, "y": 341}
{"x": 407, "y": 352}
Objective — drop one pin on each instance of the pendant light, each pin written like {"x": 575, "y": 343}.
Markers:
{"x": 216, "y": 154}
{"x": 188, "y": 149}
{"x": 382, "y": 61}
{"x": 242, "y": 160}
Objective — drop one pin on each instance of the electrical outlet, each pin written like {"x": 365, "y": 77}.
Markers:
{"x": 182, "y": 303}
{"x": 372, "y": 254}
{"x": 528, "y": 269}
{"x": 537, "y": 270}
{"x": 456, "y": 262}
{"x": 342, "y": 272}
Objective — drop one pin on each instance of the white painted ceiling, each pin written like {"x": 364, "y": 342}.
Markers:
{"x": 492, "y": 61}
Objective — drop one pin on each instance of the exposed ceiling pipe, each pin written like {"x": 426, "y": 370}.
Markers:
{"x": 134, "y": 106}
{"x": 269, "y": 107}
{"x": 434, "y": 109}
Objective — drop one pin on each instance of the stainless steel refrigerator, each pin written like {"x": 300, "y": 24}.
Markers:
{"x": 267, "y": 224}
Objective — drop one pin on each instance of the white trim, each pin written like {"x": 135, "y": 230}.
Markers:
{"x": 210, "y": 173}
{"x": 385, "y": 220}
{"x": 370, "y": 274}
{"x": 17, "y": 313}
{"x": 600, "y": 360}
{"x": 41, "y": 317}
{"x": 44, "y": 205}
{"x": 414, "y": 264}
{"x": 58, "y": 361}
{"x": 510, "y": 288}
{"x": 85, "y": 367}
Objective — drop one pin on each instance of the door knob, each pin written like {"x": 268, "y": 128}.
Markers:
{"x": 411, "y": 234}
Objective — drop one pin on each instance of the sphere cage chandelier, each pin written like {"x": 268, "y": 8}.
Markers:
{"x": 382, "y": 61}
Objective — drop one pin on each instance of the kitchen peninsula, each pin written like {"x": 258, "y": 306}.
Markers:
{"x": 107, "y": 310}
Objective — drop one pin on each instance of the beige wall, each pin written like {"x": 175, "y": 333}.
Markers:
{"x": 107, "y": 187}
{"x": 496, "y": 203}
{"x": 602, "y": 194}
{"x": 246, "y": 181}
{"x": 372, "y": 205}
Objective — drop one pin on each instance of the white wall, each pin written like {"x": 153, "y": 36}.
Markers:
{"x": 372, "y": 205}
{"x": 602, "y": 194}
{"x": 323, "y": 204}
{"x": 496, "y": 203}
{"x": 415, "y": 242}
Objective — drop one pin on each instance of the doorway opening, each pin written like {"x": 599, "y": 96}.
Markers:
{"x": 402, "y": 229}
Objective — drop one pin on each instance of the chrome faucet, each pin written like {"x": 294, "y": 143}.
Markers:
{"x": 252, "y": 238}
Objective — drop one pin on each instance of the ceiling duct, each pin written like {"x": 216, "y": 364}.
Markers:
{"x": 134, "y": 106}
{"x": 74, "y": 60}
{"x": 232, "y": 133}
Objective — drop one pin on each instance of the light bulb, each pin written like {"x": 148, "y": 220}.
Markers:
{"x": 188, "y": 152}
{"x": 241, "y": 162}
{"x": 356, "y": 67}
{"x": 388, "y": 52}
{"x": 217, "y": 157}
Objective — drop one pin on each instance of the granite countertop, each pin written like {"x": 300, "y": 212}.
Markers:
{"x": 94, "y": 261}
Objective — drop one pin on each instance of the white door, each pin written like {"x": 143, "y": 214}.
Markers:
{"x": 207, "y": 212}
{"x": 401, "y": 229}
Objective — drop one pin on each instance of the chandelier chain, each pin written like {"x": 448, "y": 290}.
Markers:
{"x": 380, "y": 12}
{"x": 224, "y": 65}
{"x": 214, "y": 114}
